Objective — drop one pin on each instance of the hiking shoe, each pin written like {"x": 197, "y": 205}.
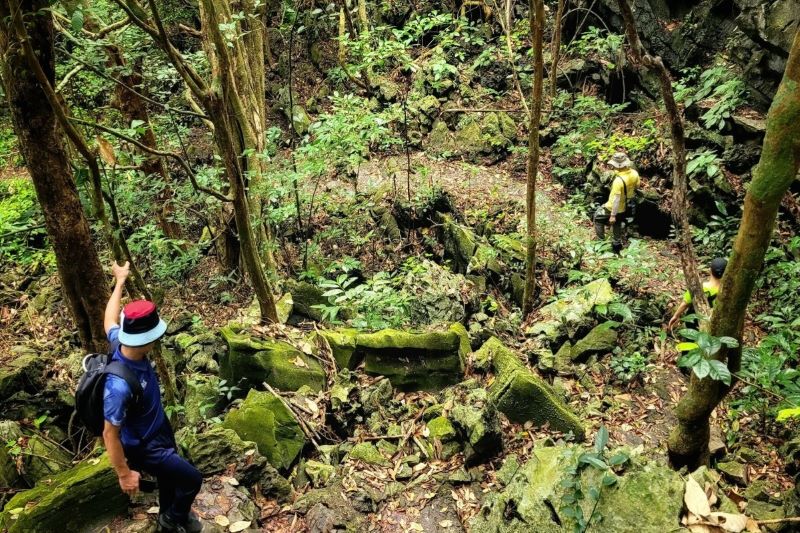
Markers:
{"x": 167, "y": 525}
{"x": 193, "y": 523}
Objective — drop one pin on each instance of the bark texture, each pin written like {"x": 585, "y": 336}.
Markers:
{"x": 42, "y": 144}
{"x": 777, "y": 168}
{"x": 537, "y": 25}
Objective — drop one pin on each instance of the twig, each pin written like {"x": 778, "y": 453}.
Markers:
{"x": 310, "y": 433}
{"x": 779, "y": 520}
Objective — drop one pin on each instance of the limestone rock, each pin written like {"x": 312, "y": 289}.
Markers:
{"x": 265, "y": 420}
{"x": 368, "y": 453}
{"x": 67, "y": 501}
{"x": 460, "y": 244}
{"x": 284, "y": 306}
{"x": 734, "y": 471}
{"x": 23, "y": 372}
{"x": 475, "y": 416}
{"x": 213, "y": 450}
{"x": 305, "y": 296}
{"x": 250, "y": 362}
{"x": 440, "y": 296}
{"x": 522, "y": 395}
{"x": 647, "y": 490}
{"x": 491, "y": 134}
{"x": 343, "y": 344}
{"x": 201, "y": 399}
{"x": 441, "y": 428}
{"x": 572, "y": 309}
{"x": 413, "y": 361}
{"x": 599, "y": 341}
{"x": 319, "y": 473}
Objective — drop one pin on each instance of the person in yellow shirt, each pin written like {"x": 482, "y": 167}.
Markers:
{"x": 710, "y": 288}
{"x": 623, "y": 187}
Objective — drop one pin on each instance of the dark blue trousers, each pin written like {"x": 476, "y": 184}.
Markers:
{"x": 178, "y": 481}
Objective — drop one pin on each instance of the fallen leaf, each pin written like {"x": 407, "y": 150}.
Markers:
{"x": 153, "y": 510}
{"x": 445, "y": 523}
{"x": 241, "y": 525}
{"x": 695, "y": 498}
{"x": 298, "y": 361}
{"x": 416, "y": 527}
{"x": 222, "y": 520}
{"x": 106, "y": 151}
{"x": 752, "y": 526}
{"x": 734, "y": 523}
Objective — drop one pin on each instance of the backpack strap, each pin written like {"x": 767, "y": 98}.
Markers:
{"x": 625, "y": 189}
{"x": 121, "y": 371}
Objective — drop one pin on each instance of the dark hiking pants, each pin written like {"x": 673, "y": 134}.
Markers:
{"x": 178, "y": 481}
{"x": 601, "y": 220}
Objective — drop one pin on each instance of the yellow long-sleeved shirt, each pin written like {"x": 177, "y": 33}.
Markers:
{"x": 631, "y": 179}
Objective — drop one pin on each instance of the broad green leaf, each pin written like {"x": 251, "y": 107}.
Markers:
{"x": 601, "y": 439}
{"x": 719, "y": 371}
{"x": 593, "y": 460}
{"x": 730, "y": 342}
{"x": 609, "y": 479}
{"x": 77, "y": 20}
{"x": 690, "y": 334}
{"x": 787, "y": 414}
{"x": 702, "y": 369}
{"x": 619, "y": 459}
{"x": 686, "y": 346}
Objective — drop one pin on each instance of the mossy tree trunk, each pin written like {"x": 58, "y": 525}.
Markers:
{"x": 555, "y": 50}
{"x": 42, "y": 145}
{"x": 537, "y": 24}
{"x": 775, "y": 172}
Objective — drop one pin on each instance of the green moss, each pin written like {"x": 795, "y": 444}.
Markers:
{"x": 201, "y": 399}
{"x": 265, "y": 420}
{"x": 343, "y": 346}
{"x": 476, "y": 419}
{"x": 38, "y": 458}
{"x": 441, "y": 428}
{"x": 284, "y": 306}
{"x": 214, "y": 449}
{"x": 413, "y": 361}
{"x": 460, "y": 244}
{"x": 319, "y": 473}
{"x": 368, "y": 453}
{"x": 601, "y": 340}
{"x": 523, "y": 396}
{"x": 65, "y": 502}
{"x": 250, "y": 362}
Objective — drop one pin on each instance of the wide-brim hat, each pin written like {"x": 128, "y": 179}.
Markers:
{"x": 140, "y": 324}
{"x": 620, "y": 160}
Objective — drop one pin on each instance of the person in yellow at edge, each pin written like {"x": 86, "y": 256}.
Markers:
{"x": 623, "y": 187}
{"x": 710, "y": 288}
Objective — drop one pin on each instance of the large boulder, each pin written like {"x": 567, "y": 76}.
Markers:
{"x": 251, "y": 361}
{"x": 522, "y": 395}
{"x": 647, "y": 498}
{"x": 213, "y": 450}
{"x": 66, "y": 501}
{"x": 460, "y": 243}
{"x": 572, "y": 309}
{"x": 263, "y": 418}
{"x": 440, "y": 296}
{"x": 415, "y": 361}
{"x": 475, "y": 417}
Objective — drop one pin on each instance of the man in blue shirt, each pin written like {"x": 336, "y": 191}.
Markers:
{"x": 138, "y": 435}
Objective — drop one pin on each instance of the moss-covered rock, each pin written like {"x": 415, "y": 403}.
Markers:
{"x": 571, "y": 310}
{"x": 491, "y": 134}
{"x": 284, "y": 306}
{"x": 459, "y": 242}
{"x": 343, "y": 345}
{"x": 441, "y": 428}
{"x": 213, "y": 450}
{"x": 201, "y": 399}
{"x": 305, "y": 296}
{"x": 31, "y": 458}
{"x": 413, "y": 361}
{"x": 249, "y": 362}
{"x": 264, "y": 419}
{"x": 66, "y": 501}
{"x": 534, "y": 491}
{"x": 475, "y": 417}
{"x": 320, "y": 474}
{"x": 522, "y": 395}
{"x": 22, "y": 372}
{"x": 599, "y": 341}
{"x": 368, "y": 453}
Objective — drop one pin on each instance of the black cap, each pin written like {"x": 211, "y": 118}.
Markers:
{"x": 718, "y": 267}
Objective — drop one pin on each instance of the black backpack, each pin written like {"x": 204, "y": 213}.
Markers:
{"x": 89, "y": 394}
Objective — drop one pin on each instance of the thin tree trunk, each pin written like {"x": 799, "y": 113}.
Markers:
{"x": 680, "y": 215}
{"x": 555, "y": 50}
{"x": 537, "y": 24}
{"x": 42, "y": 145}
{"x": 776, "y": 170}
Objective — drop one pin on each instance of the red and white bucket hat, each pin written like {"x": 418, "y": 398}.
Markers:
{"x": 140, "y": 324}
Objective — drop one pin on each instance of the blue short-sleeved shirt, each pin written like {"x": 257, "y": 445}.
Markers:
{"x": 140, "y": 424}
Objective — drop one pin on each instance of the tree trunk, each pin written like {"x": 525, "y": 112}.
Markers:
{"x": 555, "y": 50}
{"x": 537, "y": 24}
{"x": 42, "y": 145}
{"x": 776, "y": 170}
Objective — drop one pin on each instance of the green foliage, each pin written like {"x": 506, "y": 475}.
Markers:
{"x": 717, "y": 88}
{"x": 591, "y": 119}
{"x": 166, "y": 261}
{"x": 633, "y": 145}
{"x": 702, "y": 163}
{"x": 698, "y": 354}
{"x": 22, "y": 236}
{"x": 9, "y": 152}
{"x": 599, "y": 44}
{"x": 628, "y": 367}
{"x": 715, "y": 239}
{"x": 575, "y": 492}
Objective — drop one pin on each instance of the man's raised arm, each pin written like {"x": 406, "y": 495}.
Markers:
{"x": 120, "y": 273}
